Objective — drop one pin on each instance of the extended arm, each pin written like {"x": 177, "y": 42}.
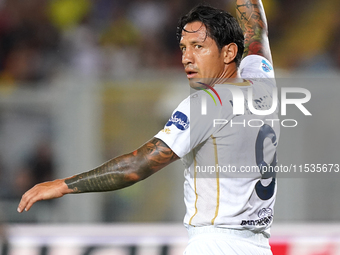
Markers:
{"x": 252, "y": 19}
{"x": 117, "y": 173}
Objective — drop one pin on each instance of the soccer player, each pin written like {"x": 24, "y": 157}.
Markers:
{"x": 227, "y": 212}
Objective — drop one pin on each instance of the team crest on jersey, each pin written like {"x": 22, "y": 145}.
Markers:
{"x": 167, "y": 131}
{"x": 266, "y": 66}
{"x": 265, "y": 212}
{"x": 180, "y": 120}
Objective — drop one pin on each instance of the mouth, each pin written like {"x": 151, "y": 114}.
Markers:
{"x": 190, "y": 74}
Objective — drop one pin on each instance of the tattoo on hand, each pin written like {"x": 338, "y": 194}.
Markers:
{"x": 125, "y": 170}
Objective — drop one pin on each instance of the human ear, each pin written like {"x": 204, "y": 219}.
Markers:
{"x": 230, "y": 52}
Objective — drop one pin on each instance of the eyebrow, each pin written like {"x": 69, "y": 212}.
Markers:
{"x": 184, "y": 45}
{"x": 192, "y": 43}
{"x": 195, "y": 41}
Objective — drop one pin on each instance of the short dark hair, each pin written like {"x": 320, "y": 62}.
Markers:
{"x": 221, "y": 26}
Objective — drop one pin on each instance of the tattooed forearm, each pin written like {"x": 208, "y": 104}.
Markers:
{"x": 125, "y": 170}
{"x": 252, "y": 19}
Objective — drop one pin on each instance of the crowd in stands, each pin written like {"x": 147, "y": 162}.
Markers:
{"x": 39, "y": 38}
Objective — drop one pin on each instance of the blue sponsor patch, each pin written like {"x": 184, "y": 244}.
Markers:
{"x": 266, "y": 66}
{"x": 180, "y": 120}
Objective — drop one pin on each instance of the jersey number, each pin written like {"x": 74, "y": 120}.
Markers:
{"x": 265, "y": 192}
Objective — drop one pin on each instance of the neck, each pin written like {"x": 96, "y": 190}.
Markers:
{"x": 230, "y": 74}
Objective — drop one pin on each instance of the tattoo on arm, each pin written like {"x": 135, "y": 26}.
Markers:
{"x": 125, "y": 170}
{"x": 252, "y": 19}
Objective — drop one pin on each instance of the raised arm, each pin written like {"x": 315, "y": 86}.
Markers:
{"x": 252, "y": 19}
{"x": 117, "y": 173}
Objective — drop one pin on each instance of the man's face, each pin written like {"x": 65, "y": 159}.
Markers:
{"x": 200, "y": 55}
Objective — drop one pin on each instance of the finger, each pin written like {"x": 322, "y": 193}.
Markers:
{"x": 20, "y": 207}
{"x": 23, "y": 203}
{"x": 30, "y": 203}
{"x": 28, "y": 199}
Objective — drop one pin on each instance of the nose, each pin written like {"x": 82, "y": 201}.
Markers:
{"x": 187, "y": 57}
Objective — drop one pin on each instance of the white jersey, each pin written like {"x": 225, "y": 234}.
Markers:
{"x": 226, "y": 154}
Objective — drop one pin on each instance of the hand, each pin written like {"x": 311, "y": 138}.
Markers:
{"x": 43, "y": 191}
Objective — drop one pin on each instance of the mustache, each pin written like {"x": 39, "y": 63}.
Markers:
{"x": 191, "y": 67}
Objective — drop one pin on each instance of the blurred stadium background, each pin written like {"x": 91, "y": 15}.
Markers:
{"x": 82, "y": 81}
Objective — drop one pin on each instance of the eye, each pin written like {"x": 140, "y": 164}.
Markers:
{"x": 183, "y": 49}
{"x": 198, "y": 46}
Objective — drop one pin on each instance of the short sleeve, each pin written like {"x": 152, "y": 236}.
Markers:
{"x": 176, "y": 132}
{"x": 255, "y": 66}
{"x": 187, "y": 126}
